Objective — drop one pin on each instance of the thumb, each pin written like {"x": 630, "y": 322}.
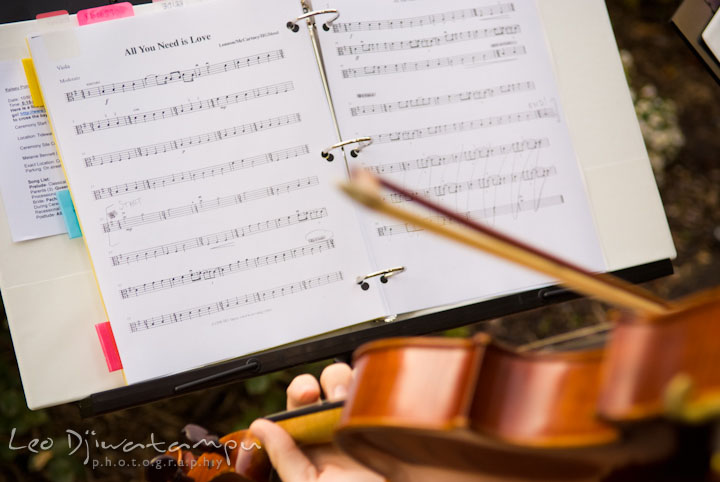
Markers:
{"x": 289, "y": 461}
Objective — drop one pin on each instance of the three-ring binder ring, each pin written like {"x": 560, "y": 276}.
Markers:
{"x": 384, "y": 275}
{"x": 362, "y": 143}
{"x": 292, "y": 24}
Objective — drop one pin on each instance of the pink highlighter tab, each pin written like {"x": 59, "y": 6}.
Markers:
{"x": 103, "y": 14}
{"x": 56, "y": 13}
{"x": 109, "y": 348}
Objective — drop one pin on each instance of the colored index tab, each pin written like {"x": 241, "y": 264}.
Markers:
{"x": 105, "y": 13}
{"x": 55, "y": 13}
{"x": 108, "y": 345}
{"x": 33, "y": 83}
{"x": 68, "y": 211}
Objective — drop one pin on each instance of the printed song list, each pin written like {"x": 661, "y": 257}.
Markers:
{"x": 30, "y": 171}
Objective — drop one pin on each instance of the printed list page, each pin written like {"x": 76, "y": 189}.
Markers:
{"x": 460, "y": 101}
{"x": 30, "y": 172}
{"x": 191, "y": 141}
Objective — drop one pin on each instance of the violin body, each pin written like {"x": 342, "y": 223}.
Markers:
{"x": 477, "y": 407}
{"x": 664, "y": 364}
{"x": 556, "y": 409}
{"x": 530, "y": 399}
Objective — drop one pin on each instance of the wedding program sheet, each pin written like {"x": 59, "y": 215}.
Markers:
{"x": 191, "y": 142}
{"x": 461, "y": 103}
{"x": 30, "y": 172}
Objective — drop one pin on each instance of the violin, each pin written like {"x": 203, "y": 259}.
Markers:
{"x": 497, "y": 412}
{"x": 570, "y": 415}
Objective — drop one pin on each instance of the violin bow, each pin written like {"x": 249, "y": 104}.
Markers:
{"x": 366, "y": 189}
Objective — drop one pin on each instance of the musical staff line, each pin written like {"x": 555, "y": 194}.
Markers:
{"x": 238, "y": 266}
{"x": 486, "y": 182}
{"x": 464, "y": 126}
{"x": 219, "y": 102}
{"x": 188, "y": 75}
{"x": 187, "y": 142}
{"x": 462, "y": 156}
{"x": 452, "y": 16}
{"x": 235, "y": 303}
{"x": 204, "y": 206}
{"x": 448, "y": 38}
{"x": 472, "y": 59}
{"x": 479, "y": 214}
{"x": 201, "y": 173}
{"x": 437, "y": 100}
{"x": 218, "y": 238}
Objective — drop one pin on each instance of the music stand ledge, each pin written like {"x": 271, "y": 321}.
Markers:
{"x": 339, "y": 343}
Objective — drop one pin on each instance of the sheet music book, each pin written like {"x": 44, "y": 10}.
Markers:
{"x": 200, "y": 155}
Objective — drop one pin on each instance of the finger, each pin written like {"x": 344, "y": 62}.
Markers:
{"x": 289, "y": 461}
{"x": 303, "y": 390}
{"x": 335, "y": 380}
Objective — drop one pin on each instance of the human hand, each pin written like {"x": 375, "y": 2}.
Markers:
{"x": 323, "y": 463}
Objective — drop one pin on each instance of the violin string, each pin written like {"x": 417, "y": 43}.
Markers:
{"x": 565, "y": 337}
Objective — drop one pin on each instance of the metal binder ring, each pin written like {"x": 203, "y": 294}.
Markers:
{"x": 384, "y": 275}
{"x": 292, "y": 24}
{"x": 362, "y": 143}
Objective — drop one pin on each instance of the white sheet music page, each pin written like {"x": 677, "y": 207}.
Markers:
{"x": 461, "y": 102}
{"x": 191, "y": 141}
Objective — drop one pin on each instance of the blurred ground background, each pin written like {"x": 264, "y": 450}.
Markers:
{"x": 678, "y": 103}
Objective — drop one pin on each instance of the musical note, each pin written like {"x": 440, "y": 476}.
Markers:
{"x": 470, "y": 60}
{"x": 441, "y": 99}
{"x": 200, "y": 174}
{"x": 479, "y": 214}
{"x": 228, "y": 269}
{"x": 448, "y": 38}
{"x": 187, "y": 142}
{"x": 456, "y": 15}
{"x": 219, "y": 102}
{"x": 188, "y": 75}
{"x": 213, "y": 239}
{"x": 463, "y": 126}
{"x": 462, "y": 156}
{"x": 486, "y": 182}
{"x": 202, "y": 206}
{"x": 235, "y": 303}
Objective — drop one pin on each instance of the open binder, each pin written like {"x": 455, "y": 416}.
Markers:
{"x": 631, "y": 226}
